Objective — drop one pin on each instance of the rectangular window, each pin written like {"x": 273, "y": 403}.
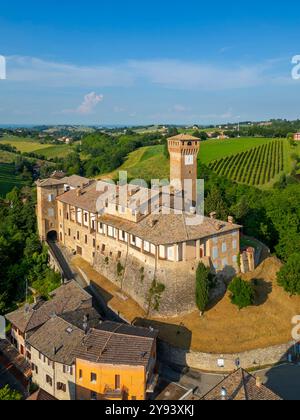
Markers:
{"x": 234, "y": 244}
{"x": 78, "y": 236}
{"x": 61, "y": 387}
{"x": 94, "y": 243}
{"x": 51, "y": 213}
{"x": 117, "y": 382}
{"x": 110, "y": 231}
{"x": 162, "y": 252}
{"x": 224, "y": 262}
{"x": 170, "y": 253}
{"x": 86, "y": 239}
{"x": 80, "y": 374}
{"x": 146, "y": 246}
{"x": 48, "y": 380}
{"x": 69, "y": 232}
{"x": 50, "y": 198}
{"x": 93, "y": 378}
{"x": 215, "y": 252}
{"x": 224, "y": 247}
{"x": 93, "y": 396}
{"x": 234, "y": 259}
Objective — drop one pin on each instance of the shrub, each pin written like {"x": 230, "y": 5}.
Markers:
{"x": 242, "y": 293}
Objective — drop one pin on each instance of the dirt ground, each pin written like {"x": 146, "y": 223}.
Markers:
{"x": 223, "y": 329}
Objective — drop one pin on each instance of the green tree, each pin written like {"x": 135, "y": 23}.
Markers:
{"x": 202, "y": 287}
{"x": 215, "y": 203}
{"x": 242, "y": 293}
{"x": 7, "y": 394}
{"x": 289, "y": 275}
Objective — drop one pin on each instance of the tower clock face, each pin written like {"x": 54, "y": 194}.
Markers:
{"x": 189, "y": 160}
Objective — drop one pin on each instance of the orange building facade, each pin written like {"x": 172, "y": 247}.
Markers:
{"x": 110, "y": 382}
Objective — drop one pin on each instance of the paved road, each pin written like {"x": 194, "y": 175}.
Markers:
{"x": 284, "y": 381}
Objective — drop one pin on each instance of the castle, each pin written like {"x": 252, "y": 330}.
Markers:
{"x": 135, "y": 236}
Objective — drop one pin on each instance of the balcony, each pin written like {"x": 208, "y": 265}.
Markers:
{"x": 113, "y": 394}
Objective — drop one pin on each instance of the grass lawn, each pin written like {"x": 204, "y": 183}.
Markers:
{"x": 225, "y": 329}
{"x": 145, "y": 163}
{"x": 8, "y": 178}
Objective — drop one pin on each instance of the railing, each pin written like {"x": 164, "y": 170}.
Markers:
{"x": 110, "y": 393}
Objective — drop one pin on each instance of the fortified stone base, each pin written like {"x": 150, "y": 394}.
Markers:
{"x": 135, "y": 278}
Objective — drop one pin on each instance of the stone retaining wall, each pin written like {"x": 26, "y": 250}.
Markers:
{"x": 214, "y": 362}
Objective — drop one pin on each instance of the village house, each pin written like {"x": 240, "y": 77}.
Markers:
{"x": 297, "y": 137}
{"x": 116, "y": 362}
{"x": 51, "y": 347}
{"x": 72, "y": 354}
{"x": 29, "y": 318}
{"x": 241, "y": 386}
{"x": 129, "y": 230}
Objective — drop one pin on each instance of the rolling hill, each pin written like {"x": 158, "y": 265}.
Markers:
{"x": 253, "y": 161}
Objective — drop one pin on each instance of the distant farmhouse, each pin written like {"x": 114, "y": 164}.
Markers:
{"x": 135, "y": 236}
{"x": 297, "y": 137}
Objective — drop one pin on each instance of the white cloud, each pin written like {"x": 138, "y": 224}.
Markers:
{"x": 179, "y": 108}
{"x": 90, "y": 101}
{"x": 174, "y": 74}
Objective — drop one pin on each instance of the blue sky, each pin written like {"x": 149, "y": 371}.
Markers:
{"x": 142, "y": 62}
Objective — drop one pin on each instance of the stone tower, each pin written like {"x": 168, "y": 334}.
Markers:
{"x": 184, "y": 151}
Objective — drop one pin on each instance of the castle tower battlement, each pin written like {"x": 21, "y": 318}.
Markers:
{"x": 184, "y": 150}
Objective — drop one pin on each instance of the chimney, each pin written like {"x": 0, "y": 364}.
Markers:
{"x": 85, "y": 324}
{"x": 78, "y": 192}
{"x": 54, "y": 350}
{"x": 218, "y": 226}
{"x": 259, "y": 382}
{"x": 230, "y": 220}
{"x": 213, "y": 215}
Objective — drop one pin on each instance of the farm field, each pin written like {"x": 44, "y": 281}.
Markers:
{"x": 258, "y": 166}
{"x": 25, "y": 145}
{"x": 8, "y": 178}
{"x": 55, "y": 151}
{"x": 150, "y": 162}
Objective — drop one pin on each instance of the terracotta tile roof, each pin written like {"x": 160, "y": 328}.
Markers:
{"x": 170, "y": 228}
{"x": 56, "y": 340}
{"x": 241, "y": 385}
{"x": 87, "y": 200}
{"x": 41, "y": 395}
{"x": 184, "y": 137}
{"x": 118, "y": 346}
{"x": 66, "y": 298}
{"x": 73, "y": 181}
